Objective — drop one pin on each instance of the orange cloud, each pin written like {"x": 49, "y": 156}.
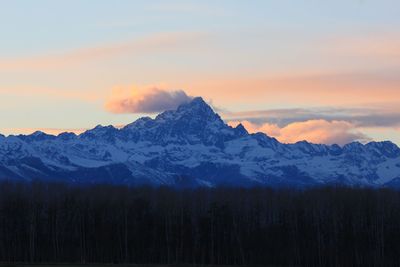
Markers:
{"x": 384, "y": 47}
{"x": 315, "y": 89}
{"x": 314, "y": 131}
{"x": 138, "y": 47}
{"x": 371, "y": 116}
{"x": 50, "y": 92}
{"x": 151, "y": 100}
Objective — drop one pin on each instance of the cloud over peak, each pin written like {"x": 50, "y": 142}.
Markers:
{"x": 152, "y": 100}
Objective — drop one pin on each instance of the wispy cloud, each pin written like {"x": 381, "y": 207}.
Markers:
{"x": 54, "y": 93}
{"x": 311, "y": 88}
{"x": 314, "y": 131}
{"x": 379, "y": 116}
{"x": 138, "y": 46}
{"x": 319, "y": 125}
{"x": 151, "y": 100}
{"x": 383, "y": 47}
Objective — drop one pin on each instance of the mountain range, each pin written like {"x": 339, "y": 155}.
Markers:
{"x": 191, "y": 147}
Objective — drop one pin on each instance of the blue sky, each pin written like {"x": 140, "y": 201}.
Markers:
{"x": 61, "y": 62}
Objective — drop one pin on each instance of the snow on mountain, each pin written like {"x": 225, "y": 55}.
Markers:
{"x": 192, "y": 146}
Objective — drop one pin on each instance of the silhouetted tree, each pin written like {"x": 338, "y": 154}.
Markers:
{"x": 332, "y": 226}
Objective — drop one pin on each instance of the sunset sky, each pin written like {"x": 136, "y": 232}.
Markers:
{"x": 322, "y": 71}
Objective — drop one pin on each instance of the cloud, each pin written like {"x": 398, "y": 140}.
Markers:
{"x": 381, "y": 47}
{"x": 152, "y": 100}
{"x": 323, "y": 124}
{"x": 314, "y": 131}
{"x": 48, "y": 92}
{"x": 139, "y": 46}
{"x": 310, "y": 88}
{"x": 373, "y": 116}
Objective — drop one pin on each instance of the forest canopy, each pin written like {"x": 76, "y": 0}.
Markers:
{"x": 332, "y": 226}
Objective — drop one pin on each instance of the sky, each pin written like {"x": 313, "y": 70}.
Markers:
{"x": 321, "y": 71}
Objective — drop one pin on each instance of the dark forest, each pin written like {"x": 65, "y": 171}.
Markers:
{"x": 332, "y": 226}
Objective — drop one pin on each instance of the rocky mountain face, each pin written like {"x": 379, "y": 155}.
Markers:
{"x": 192, "y": 146}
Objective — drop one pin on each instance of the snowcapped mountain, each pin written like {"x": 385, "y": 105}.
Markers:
{"x": 192, "y": 146}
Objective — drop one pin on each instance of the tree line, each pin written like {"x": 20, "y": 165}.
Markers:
{"x": 332, "y": 226}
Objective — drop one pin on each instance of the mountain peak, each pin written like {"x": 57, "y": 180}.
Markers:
{"x": 197, "y": 104}
{"x": 198, "y": 100}
{"x": 241, "y": 130}
{"x": 193, "y": 122}
{"x": 38, "y": 133}
{"x": 195, "y": 110}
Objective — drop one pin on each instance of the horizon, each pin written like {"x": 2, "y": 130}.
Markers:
{"x": 321, "y": 72}
{"x": 119, "y": 127}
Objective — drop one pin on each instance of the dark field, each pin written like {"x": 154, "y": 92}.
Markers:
{"x": 334, "y": 226}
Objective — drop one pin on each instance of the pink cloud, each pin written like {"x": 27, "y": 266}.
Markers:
{"x": 76, "y": 57}
{"x": 314, "y": 131}
{"x": 310, "y": 88}
{"x": 383, "y": 47}
{"x": 47, "y": 92}
{"x": 152, "y": 100}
